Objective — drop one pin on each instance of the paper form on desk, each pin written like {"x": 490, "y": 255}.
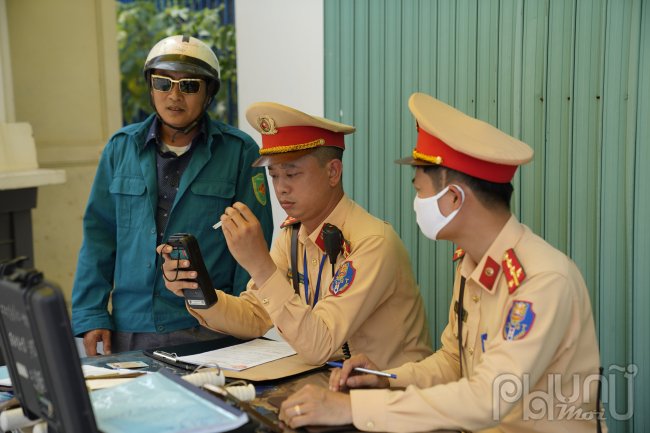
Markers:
{"x": 242, "y": 356}
{"x": 92, "y": 371}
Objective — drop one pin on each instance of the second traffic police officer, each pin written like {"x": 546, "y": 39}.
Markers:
{"x": 373, "y": 302}
{"x": 175, "y": 172}
{"x": 520, "y": 321}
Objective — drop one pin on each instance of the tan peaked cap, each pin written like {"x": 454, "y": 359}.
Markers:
{"x": 455, "y": 140}
{"x": 289, "y": 134}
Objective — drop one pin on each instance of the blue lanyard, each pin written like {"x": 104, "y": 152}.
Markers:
{"x": 306, "y": 277}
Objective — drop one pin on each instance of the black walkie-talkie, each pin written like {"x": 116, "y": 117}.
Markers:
{"x": 332, "y": 237}
{"x": 332, "y": 240}
{"x": 187, "y": 247}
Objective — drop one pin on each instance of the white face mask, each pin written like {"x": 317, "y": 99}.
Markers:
{"x": 429, "y": 218}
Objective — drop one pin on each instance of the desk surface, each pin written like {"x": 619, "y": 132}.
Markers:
{"x": 264, "y": 391}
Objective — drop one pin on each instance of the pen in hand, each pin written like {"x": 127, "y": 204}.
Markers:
{"x": 364, "y": 370}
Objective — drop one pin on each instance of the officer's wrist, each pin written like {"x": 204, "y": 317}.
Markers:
{"x": 263, "y": 271}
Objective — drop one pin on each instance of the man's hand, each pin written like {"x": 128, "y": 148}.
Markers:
{"x": 313, "y": 405}
{"x": 353, "y": 379}
{"x": 246, "y": 242}
{"x": 170, "y": 270}
{"x": 91, "y": 338}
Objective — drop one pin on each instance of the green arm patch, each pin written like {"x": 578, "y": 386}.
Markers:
{"x": 259, "y": 187}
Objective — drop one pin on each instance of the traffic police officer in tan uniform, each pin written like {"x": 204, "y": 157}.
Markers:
{"x": 372, "y": 302}
{"x": 524, "y": 316}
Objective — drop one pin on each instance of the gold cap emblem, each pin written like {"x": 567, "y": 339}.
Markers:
{"x": 267, "y": 125}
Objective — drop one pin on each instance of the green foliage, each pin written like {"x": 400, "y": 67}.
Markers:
{"x": 140, "y": 27}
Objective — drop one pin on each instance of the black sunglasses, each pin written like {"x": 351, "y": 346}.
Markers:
{"x": 186, "y": 85}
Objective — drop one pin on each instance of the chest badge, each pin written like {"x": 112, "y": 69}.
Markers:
{"x": 519, "y": 321}
{"x": 343, "y": 279}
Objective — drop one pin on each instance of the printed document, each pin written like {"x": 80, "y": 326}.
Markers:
{"x": 242, "y": 356}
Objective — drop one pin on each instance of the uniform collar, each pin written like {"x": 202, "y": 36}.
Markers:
{"x": 154, "y": 135}
{"x": 337, "y": 218}
{"x": 488, "y": 270}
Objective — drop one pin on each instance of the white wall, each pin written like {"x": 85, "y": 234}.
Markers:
{"x": 280, "y": 58}
{"x": 7, "y": 111}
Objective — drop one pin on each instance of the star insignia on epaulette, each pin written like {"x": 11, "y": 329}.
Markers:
{"x": 512, "y": 270}
{"x": 289, "y": 222}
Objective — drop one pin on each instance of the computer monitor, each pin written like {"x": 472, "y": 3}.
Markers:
{"x": 38, "y": 347}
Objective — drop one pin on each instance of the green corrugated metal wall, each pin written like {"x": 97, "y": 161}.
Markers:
{"x": 571, "y": 79}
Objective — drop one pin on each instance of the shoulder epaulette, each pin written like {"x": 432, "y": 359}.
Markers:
{"x": 458, "y": 254}
{"x": 289, "y": 222}
{"x": 513, "y": 270}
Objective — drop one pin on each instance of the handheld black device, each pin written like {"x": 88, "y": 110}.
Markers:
{"x": 39, "y": 348}
{"x": 187, "y": 247}
{"x": 332, "y": 237}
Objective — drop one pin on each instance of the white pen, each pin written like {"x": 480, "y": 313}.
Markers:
{"x": 217, "y": 225}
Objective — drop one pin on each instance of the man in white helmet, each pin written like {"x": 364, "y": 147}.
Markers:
{"x": 176, "y": 172}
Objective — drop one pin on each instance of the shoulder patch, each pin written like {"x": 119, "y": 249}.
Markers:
{"x": 519, "y": 321}
{"x": 289, "y": 222}
{"x": 259, "y": 186}
{"x": 458, "y": 254}
{"x": 512, "y": 270}
{"x": 343, "y": 279}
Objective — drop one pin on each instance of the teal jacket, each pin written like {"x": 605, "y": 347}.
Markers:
{"x": 118, "y": 253}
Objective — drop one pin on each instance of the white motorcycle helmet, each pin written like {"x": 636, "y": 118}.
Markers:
{"x": 189, "y": 55}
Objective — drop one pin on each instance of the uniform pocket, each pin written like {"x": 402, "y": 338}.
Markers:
{"x": 129, "y": 200}
{"x": 210, "y": 198}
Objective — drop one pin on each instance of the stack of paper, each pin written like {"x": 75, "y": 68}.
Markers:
{"x": 242, "y": 356}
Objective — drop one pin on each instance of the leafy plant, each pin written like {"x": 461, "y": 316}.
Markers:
{"x": 140, "y": 26}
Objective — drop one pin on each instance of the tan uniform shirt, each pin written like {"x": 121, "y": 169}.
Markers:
{"x": 374, "y": 304}
{"x": 549, "y": 331}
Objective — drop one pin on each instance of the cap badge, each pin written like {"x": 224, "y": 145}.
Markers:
{"x": 267, "y": 125}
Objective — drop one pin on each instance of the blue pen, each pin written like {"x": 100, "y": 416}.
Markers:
{"x": 364, "y": 370}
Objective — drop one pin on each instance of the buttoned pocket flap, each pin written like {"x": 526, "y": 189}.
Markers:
{"x": 215, "y": 188}
{"x": 127, "y": 185}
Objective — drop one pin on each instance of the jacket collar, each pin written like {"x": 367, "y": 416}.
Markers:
{"x": 337, "y": 218}
{"x": 140, "y": 134}
{"x": 488, "y": 270}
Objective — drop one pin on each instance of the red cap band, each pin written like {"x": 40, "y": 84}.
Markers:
{"x": 435, "y": 149}
{"x": 292, "y": 138}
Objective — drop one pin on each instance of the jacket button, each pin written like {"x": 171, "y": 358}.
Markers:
{"x": 149, "y": 264}
{"x": 314, "y": 262}
{"x": 156, "y": 293}
{"x": 471, "y": 351}
{"x": 265, "y": 301}
{"x": 161, "y": 328}
{"x": 370, "y": 425}
{"x": 153, "y": 230}
{"x": 475, "y": 298}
